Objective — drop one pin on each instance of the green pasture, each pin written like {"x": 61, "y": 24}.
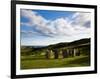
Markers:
{"x": 34, "y": 62}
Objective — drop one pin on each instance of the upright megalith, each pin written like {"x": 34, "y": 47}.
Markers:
{"x": 77, "y": 52}
{"x": 60, "y": 53}
{"x": 56, "y": 53}
{"x": 68, "y": 52}
{"x": 64, "y": 53}
{"x": 72, "y": 52}
{"x": 47, "y": 54}
{"x": 51, "y": 54}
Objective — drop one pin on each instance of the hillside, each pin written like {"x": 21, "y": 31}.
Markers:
{"x": 73, "y": 43}
{"x": 34, "y": 57}
{"x": 26, "y": 50}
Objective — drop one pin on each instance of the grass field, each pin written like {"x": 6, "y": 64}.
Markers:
{"x": 34, "y": 62}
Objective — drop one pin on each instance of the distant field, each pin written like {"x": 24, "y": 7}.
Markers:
{"x": 32, "y": 62}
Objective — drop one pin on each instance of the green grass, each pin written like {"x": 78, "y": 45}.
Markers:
{"x": 34, "y": 62}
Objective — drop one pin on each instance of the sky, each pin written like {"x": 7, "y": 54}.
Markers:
{"x": 45, "y": 27}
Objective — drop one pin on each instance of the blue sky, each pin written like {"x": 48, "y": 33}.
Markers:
{"x": 45, "y": 27}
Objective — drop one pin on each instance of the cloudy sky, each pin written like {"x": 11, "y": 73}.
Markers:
{"x": 45, "y": 27}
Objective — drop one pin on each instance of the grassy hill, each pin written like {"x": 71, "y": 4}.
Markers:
{"x": 33, "y": 57}
{"x": 73, "y": 43}
{"x": 28, "y": 50}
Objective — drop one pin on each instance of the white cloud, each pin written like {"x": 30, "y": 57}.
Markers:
{"x": 80, "y": 18}
{"x": 36, "y": 21}
{"x": 59, "y": 26}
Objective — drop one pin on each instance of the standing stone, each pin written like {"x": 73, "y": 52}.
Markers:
{"x": 60, "y": 54}
{"x": 75, "y": 52}
{"x": 55, "y": 53}
{"x": 47, "y": 54}
{"x": 78, "y": 54}
{"x": 68, "y": 52}
{"x": 51, "y": 54}
{"x": 72, "y": 52}
{"x": 64, "y": 53}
